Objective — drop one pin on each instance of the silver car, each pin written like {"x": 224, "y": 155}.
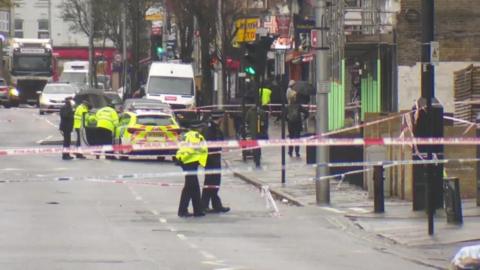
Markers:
{"x": 53, "y": 96}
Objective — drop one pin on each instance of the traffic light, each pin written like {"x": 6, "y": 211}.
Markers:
{"x": 256, "y": 56}
{"x": 250, "y": 58}
{"x": 156, "y": 49}
{"x": 159, "y": 50}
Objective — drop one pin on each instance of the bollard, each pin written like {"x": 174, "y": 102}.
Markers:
{"x": 453, "y": 200}
{"x": 378, "y": 195}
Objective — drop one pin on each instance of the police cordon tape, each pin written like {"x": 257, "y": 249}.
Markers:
{"x": 227, "y": 144}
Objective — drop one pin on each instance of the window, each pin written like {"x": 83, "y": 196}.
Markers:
{"x": 43, "y": 31}
{"x": 18, "y": 25}
{"x": 170, "y": 86}
{"x": 18, "y": 28}
{"x": 4, "y": 21}
{"x": 42, "y": 25}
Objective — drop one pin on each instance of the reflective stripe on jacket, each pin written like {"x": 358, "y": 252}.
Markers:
{"x": 107, "y": 118}
{"x": 187, "y": 154}
{"x": 79, "y": 111}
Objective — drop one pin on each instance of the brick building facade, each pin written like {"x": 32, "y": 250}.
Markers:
{"x": 456, "y": 30}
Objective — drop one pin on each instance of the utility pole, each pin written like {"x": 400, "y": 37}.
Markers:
{"x": 49, "y": 6}
{"x": 124, "y": 50}
{"x": 164, "y": 31}
{"x": 428, "y": 93}
{"x": 222, "y": 56}
{"x": 91, "y": 29}
{"x": 322, "y": 186}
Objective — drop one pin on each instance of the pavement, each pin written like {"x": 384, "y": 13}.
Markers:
{"x": 399, "y": 224}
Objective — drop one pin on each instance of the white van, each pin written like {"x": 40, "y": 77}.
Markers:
{"x": 75, "y": 72}
{"x": 171, "y": 83}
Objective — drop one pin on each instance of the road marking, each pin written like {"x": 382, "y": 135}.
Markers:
{"x": 360, "y": 210}
{"x": 11, "y": 169}
{"x": 44, "y": 119}
{"x": 181, "y": 236}
{"x": 45, "y": 139}
{"x": 162, "y": 220}
{"x": 334, "y": 210}
{"x": 138, "y": 198}
{"x": 207, "y": 255}
{"x": 217, "y": 262}
{"x": 336, "y": 222}
{"x": 155, "y": 213}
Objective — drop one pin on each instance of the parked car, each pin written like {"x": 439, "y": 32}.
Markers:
{"x": 9, "y": 96}
{"x": 114, "y": 99}
{"x": 147, "y": 126}
{"x": 96, "y": 99}
{"x": 53, "y": 96}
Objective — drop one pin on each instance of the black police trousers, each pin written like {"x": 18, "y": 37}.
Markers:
{"x": 67, "y": 140}
{"x": 190, "y": 191}
{"x": 209, "y": 193}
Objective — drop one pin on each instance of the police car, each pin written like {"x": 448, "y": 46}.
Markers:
{"x": 147, "y": 126}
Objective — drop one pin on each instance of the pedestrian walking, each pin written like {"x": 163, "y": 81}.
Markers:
{"x": 290, "y": 91}
{"x": 66, "y": 127}
{"x": 295, "y": 115}
{"x": 257, "y": 121}
{"x": 190, "y": 158}
{"x": 213, "y": 176}
{"x": 80, "y": 113}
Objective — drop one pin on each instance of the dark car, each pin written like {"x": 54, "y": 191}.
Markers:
{"x": 95, "y": 97}
{"x": 97, "y": 100}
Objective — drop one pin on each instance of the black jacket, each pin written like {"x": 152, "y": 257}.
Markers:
{"x": 66, "y": 118}
{"x": 212, "y": 132}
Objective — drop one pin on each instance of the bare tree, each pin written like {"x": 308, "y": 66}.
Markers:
{"x": 6, "y": 3}
{"x": 204, "y": 12}
{"x": 185, "y": 24}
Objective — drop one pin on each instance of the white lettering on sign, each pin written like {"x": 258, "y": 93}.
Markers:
{"x": 32, "y": 50}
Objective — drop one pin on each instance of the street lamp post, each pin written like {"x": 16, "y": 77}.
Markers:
{"x": 124, "y": 50}
{"x": 322, "y": 186}
{"x": 91, "y": 29}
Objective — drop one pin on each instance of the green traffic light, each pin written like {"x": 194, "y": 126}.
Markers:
{"x": 250, "y": 70}
{"x": 160, "y": 50}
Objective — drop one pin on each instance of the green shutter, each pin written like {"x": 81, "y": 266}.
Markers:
{"x": 336, "y": 102}
{"x": 371, "y": 91}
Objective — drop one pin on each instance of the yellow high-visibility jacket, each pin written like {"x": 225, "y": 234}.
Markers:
{"x": 265, "y": 95}
{"x": 107, "y": 118}
{"x": 187, "y": 154}
{"x": 77, "y": 118}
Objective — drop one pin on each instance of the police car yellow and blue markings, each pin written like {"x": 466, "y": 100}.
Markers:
{"x": 134, "y": 133}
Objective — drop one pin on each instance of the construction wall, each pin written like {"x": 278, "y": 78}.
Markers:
{"x": 409, "y": 84}
{"x": 456, "y": 30}
{"x": 467, "y": 93}
{"x": 467, "y": 171}
{"x": 399, "y": 179}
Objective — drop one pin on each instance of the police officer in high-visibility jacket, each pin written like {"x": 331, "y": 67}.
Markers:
{"x": 107, "y": 122}
{"x": 80, "y": 112}
{"x": 189, "y": 157}
{"x": 265, "y": 94}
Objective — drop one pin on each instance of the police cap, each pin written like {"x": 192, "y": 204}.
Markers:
{"x": 217, "y": 113}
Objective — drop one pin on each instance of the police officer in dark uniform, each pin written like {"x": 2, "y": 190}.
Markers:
{"x": 66, "y": 127}
{"x": 213, "y": 176}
